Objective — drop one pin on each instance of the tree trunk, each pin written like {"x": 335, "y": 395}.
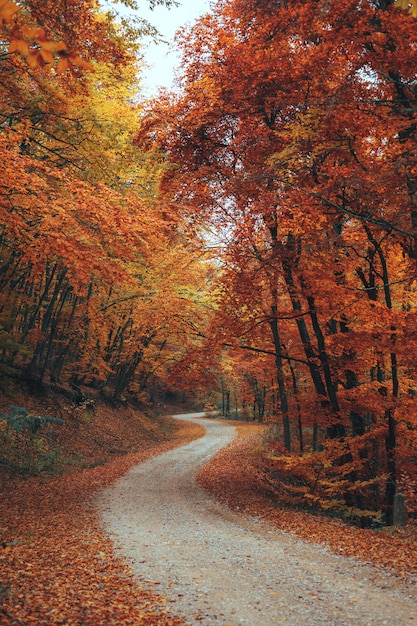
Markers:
{"x": 281, "y": 379}
{"x": 391, "y": 437}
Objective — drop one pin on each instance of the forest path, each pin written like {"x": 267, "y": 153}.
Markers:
{"x": 221, "y": 568}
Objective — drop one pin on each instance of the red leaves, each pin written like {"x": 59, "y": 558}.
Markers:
{"x": 57, "y": 565}
{"x": 235, "y": 476}
{"x": 294, "y": 137}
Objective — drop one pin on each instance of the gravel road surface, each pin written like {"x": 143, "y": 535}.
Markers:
{"x": 221, "y": 568}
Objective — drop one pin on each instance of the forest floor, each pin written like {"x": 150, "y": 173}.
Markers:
{"x": 234, "y": 477}
{"x": 57, "y": 566}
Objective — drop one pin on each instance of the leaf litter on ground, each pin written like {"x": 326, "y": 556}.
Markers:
{"x": 57, "y": 565}
{"x": 235, "y": 477}
{"x": 59, "y": 568}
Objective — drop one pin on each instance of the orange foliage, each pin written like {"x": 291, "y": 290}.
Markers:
{"x": 97, "y": 284}
{"x": 43, "y": 33}
{"x": 294, "y": 137}
{"x": 58, "y": 566}
{"x": 236, "y": 477}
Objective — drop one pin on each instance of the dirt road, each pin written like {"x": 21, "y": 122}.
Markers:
{"x": 221, "y": 568}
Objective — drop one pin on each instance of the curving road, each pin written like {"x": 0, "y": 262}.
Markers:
{"x": 221, "y": 568}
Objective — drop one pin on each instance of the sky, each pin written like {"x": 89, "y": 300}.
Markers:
{"x": 162, "y": 58}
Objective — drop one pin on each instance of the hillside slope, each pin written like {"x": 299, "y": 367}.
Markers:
{"x": 57, "y": 565}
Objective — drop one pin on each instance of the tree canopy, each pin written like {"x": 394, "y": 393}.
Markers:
{"x": 97, "y": 282}
{"x": 294, "y": 136}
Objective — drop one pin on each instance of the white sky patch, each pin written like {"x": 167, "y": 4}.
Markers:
{"x": 162, "y": 58}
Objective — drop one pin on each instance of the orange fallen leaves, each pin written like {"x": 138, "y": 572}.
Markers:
{"x": 234, "y": 476}
{"x": 60, "y": 568}
{"x": 57, "y": 566}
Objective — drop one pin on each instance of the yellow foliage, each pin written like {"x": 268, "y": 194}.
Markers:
{"x": 407, "y": 5}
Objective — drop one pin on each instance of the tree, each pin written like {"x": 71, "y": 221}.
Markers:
{"x": 294, "y": 135}
{"x": 96, "y": 280}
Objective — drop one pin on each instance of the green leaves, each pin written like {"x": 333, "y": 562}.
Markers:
{"x": 18, "y": 418}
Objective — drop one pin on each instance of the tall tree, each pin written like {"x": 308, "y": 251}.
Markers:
{"x": 295, "y": 127}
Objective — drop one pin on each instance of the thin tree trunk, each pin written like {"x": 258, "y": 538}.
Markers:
{"x": 281, "y": 378}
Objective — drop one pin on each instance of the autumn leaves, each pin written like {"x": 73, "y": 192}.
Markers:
{"x": 294, "y": 137}
{"x": 96, "y": 282}
{"x": 32, "y": 42}
{"x": 254, "y": 233}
